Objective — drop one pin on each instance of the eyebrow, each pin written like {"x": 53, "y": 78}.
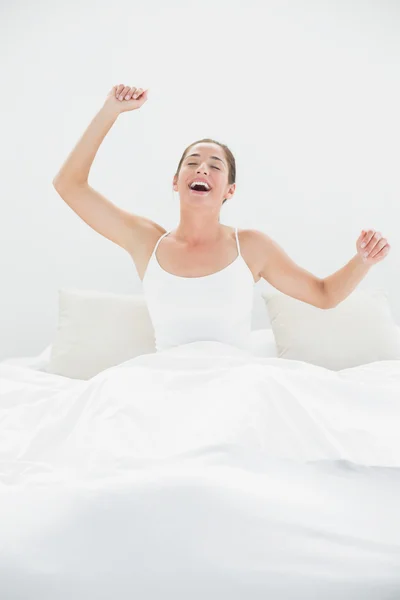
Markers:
{"x": 216, "y": 157}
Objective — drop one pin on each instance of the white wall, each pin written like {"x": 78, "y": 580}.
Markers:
{"x": 306, "y": 95}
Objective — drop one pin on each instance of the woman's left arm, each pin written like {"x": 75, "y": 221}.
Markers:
{"x": 281, "y": 271}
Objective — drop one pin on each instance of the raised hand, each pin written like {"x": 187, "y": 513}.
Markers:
{"x": 122, "y": 98}
{"x": 372, "y": 246}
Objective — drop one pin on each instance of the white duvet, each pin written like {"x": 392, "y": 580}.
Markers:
{"x": 201, "y": 472}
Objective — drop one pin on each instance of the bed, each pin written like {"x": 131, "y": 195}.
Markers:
{"x": 205, "y": 470}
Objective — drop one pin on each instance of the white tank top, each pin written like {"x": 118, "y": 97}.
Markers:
{"x": 188, "y": 309}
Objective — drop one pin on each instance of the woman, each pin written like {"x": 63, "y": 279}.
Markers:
{"x": 199, "y": 285}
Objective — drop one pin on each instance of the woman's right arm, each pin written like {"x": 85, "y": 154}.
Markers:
{"x": 75, "y": 169}
{"x": 71, "y": 182}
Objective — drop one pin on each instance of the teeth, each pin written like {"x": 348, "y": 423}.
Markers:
{"x": 200, "y": 183}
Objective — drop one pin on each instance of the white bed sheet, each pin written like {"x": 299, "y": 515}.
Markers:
{"x": 201, "y": 472}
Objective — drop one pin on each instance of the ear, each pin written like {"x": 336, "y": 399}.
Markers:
{"x": 232, "y": 188}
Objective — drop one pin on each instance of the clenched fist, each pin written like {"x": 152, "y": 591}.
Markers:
{"x": 122, "y": 98}
{"x": 372, "y": 246}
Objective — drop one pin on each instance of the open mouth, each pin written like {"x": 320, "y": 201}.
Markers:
{"x": 201, "y": 190}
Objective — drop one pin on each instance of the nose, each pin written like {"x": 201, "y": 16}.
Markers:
{"x": 203, "y": 167}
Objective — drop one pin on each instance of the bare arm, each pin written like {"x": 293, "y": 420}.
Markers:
{"x": 71, "y": 182}
{"x": 288, "y": 277}
{"x": 77, "y": 166}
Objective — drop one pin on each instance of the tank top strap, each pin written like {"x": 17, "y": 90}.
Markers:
{"x": 159, "y": 240}
{"x": 237, "y": 241}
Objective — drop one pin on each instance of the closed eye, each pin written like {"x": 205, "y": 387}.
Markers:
{"x": 212, "y": 166}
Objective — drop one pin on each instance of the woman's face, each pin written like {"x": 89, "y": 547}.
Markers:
{"x": 204, "y": 161}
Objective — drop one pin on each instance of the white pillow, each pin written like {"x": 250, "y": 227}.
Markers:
{"x": 98, "y": 330}
{"x": 359, "y": 330}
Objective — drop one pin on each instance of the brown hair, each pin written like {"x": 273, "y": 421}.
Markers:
{"x": 228, "y": 155}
